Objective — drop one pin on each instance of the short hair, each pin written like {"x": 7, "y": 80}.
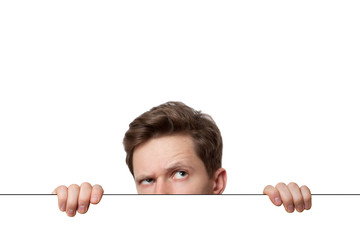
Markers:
{"x": 173, "y": 118}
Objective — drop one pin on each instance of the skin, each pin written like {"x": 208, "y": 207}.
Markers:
{"x": 169, "y": 165}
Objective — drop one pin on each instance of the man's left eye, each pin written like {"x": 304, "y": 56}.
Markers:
{"x": 180, "y": 174}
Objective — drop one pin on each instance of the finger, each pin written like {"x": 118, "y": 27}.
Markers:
{"x": 297, "y": 196}
{"x": 84, "y": 197}
{"x": 72, "y": 200}
{"x": 62, "y": 193}
{"x": 286, "y": 197}
{"x": 273, "y": 194}
{"x": 305, "y": 191}
{"x": 96, "y": 194}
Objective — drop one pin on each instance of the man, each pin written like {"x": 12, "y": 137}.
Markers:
{"x": 173, "y": 149}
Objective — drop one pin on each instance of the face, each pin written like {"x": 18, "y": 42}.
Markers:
{"x": 169, "y": 165}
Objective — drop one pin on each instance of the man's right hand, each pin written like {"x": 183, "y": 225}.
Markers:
{"x": 78, "y": 198}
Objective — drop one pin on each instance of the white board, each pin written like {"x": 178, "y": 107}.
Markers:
{"x": 280, "y": 78}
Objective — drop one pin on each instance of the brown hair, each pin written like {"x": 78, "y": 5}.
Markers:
{"x": 176, "y": 117}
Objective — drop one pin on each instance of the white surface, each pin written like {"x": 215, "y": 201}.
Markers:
{"x": 180, "y": 217}
{"x": 281, "y": 79}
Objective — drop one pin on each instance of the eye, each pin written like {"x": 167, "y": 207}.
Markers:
{"x": 147, "y": 181}
{"x": 180, "y": 174}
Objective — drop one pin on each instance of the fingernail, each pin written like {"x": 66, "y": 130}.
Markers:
{"x": 70, "y": 212}
{"x": 300, "y": 208}
{"x": 290, "y": 208}
{"x": 277, "y": 201}
{"x": 63, "y": 207}
{"x": 94, "y": 199}
{"x": 82, "y": 209}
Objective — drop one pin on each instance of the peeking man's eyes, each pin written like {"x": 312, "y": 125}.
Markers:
{"x": 180, "y": 174}
{"x": 147, "y": 181}
{"x": 177, "y": 175}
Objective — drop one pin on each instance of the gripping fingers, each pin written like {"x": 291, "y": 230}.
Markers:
{"x": 96, "y": 194}
{"x": 72, "y": 200}
{"x": 290, "y": 195}
{"x": 305, "y": 191}
{"x": 62, "y": 193}
{"x": 297, "y": 196}
{"x": 286, "y": 197}
{"x": 84, "y": 197}
{"x": 273, "y": 194}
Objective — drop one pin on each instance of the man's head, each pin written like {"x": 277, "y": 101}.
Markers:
{"x": 174, "y": 149}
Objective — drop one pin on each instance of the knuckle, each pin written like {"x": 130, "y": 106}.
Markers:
{"x": 304, "y": 187}
{"x": 62, "y": 193}
{"x": 98, "y": 187}
{"x": 62, "y": 188}
{"x": 267, "y": 189}
{"x": 85, "y": 184}
{"x": 280, "y": 184}
{"x": 292, "y": 184}
{"x": 74, "y": 186}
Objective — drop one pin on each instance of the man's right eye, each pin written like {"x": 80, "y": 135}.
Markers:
{"x": 147, "y": 181}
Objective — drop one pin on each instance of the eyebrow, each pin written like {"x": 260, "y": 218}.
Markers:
{"x": 169, "y": 168}
{"x": 175, "y": 165}
{"x": 141, "y": 177}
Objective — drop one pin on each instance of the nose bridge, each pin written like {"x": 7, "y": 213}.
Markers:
{"x": 161, "y": 186}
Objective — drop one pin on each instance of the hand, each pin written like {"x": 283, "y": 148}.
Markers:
{"x": 291, "y": 195}
{"x": 78, "y": 198}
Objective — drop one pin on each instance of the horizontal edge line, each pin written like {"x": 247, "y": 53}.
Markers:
{"x": 135, "y": 194}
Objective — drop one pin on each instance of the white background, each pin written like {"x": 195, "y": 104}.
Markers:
{"x": 280, "y": 78}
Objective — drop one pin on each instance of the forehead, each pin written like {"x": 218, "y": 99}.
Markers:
{"x": 159, "y": 154}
